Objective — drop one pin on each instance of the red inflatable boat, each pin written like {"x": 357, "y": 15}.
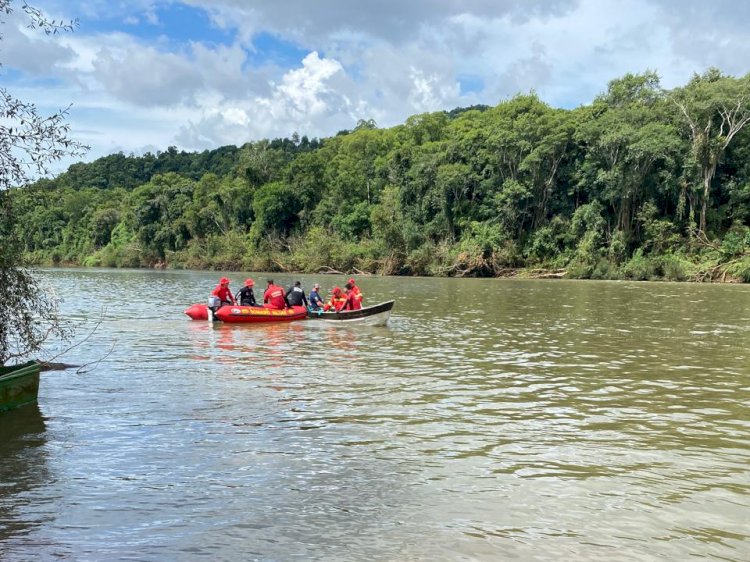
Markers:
{"x": 239, "y": 314}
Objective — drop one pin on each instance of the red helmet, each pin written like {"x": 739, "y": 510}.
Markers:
{"x": 249, "y": 282}
{"x": 351, "y": 281}
{"x": 336, "y": 290}
{"x": 224, "y": 281}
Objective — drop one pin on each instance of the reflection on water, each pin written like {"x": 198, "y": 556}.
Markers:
{"x": 491, "y": 420}
{"x": 23, "y": 468}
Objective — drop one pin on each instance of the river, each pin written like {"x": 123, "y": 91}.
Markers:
{"x": 491, "y": 420}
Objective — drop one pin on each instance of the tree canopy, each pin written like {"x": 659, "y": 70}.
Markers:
{"x": 641, "y": 183}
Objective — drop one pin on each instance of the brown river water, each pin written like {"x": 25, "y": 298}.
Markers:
{"x": 491, "y": 420}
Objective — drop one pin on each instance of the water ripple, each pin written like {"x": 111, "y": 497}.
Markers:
{"x": 558, "y": 420}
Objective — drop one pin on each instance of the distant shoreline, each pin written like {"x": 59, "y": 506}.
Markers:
{"x": 535, "y": 273}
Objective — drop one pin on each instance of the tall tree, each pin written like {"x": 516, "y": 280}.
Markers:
{"x": 715, "y": 108}
{"x": 627, "y": 139}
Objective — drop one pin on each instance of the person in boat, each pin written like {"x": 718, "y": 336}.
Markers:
{"x": 337, "y": 302}
{"x": 245, "y": 296}
{"x": 274, "y": 297}
{"x": 223, "y": 293}
{"x": 295, "y": 295}
{"x": 316, "y": 302}
{"x": 356, "y": 295}
{"x": 350, "y": 297}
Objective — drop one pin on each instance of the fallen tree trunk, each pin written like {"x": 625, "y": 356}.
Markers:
{"x": 45, "y": 366}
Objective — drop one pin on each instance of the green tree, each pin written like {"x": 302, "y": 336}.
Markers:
{"x": 629, "y": 141}
{"x": 715, "y": 108}
{"x": 159, "y": 215}
{"x": 29, "y": 143}
{"x": 276, "y": 208}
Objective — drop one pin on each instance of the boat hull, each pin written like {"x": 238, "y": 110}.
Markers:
{"x": 247, "y": 314}
{"x": 376, "y": 315}
{"x": 197, "y": 312}
{"x": 19, "y": 385}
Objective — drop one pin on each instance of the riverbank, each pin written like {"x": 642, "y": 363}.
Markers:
{"x": 671, "y": 267}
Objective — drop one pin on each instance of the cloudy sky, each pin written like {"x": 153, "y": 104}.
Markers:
{"x": 146, "y": 74}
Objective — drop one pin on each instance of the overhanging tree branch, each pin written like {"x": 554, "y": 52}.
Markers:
{"x": 29, "y": 144}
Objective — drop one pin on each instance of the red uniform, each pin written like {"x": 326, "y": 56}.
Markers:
{"x": 356, "y": 296}
{"x": 338, "y": 303}
{"x": 223, "y": 292}
{"x": 274, "y": 297}
{"x": 338, "y": 300}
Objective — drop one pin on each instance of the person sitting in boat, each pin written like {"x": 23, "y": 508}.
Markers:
{"x": 356, "y": 295}
{"x": 316, "y": 303}
{"x": 337, "y": 302}
{"x": 245, "y": 296}
{"x": 295, "y": 295}
{"x": 274, "y": 297}
{"x": 223, "y": 292}
{"x": 350, "y": 298}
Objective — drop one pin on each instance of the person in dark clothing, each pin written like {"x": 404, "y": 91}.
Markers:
{"x": 316, "y": 302}
{"x": 295, "y": 295}
{"x": 245, "y": 296}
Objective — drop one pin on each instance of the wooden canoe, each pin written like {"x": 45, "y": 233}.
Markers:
{"x": 376, "y": 315}
{"x": 19, "y": 385}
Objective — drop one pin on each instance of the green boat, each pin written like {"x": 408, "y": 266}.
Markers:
{"x": 19, "y": 385}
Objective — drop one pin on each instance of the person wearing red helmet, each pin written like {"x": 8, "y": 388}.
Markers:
{"x": 223, "y": 292}
{"x": 356, "y": 295}
{"x": 245, "y": 296}
{"x": 337, "y": 302}
{"x": 274, "y": 297}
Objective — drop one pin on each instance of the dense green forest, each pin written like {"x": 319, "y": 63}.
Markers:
{"x": 643, "y": 183}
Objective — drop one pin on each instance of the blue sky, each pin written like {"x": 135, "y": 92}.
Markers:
{"x": 146, "y": 74}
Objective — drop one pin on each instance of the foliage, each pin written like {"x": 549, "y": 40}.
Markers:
{"x": 639, "y": 268}
{"x": 740, "y": 269}
{"x": 614, "y": 189}
{"x": 27, "y": 322}
{"x": 715, "y": 109}
{"x": 29, "y": 144}
{"x": 675, "y": 267}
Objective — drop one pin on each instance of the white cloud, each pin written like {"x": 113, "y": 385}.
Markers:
{"x": 302, "y": 96}
{"x": 29, "y": 50}
{"x": 382, "y": 60}
{"x": 428, "y": 93}
{"x": 392, "y": 20}
{"x": 304, "y": 90}
{"x": 145, "y": 76}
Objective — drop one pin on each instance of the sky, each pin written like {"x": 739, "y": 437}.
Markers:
{"x": 143, "y": 75}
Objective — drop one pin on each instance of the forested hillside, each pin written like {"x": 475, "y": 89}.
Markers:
{"x": 642, "y": 183}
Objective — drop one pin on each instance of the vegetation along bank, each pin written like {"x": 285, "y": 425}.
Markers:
{"x": 643, "y": 183}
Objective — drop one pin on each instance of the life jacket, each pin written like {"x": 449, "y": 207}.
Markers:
{"x": 357, "y": 297}
{"x": 337, "y": 302}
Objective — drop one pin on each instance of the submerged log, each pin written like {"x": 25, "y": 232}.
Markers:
{"x": 46, "y": 366}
